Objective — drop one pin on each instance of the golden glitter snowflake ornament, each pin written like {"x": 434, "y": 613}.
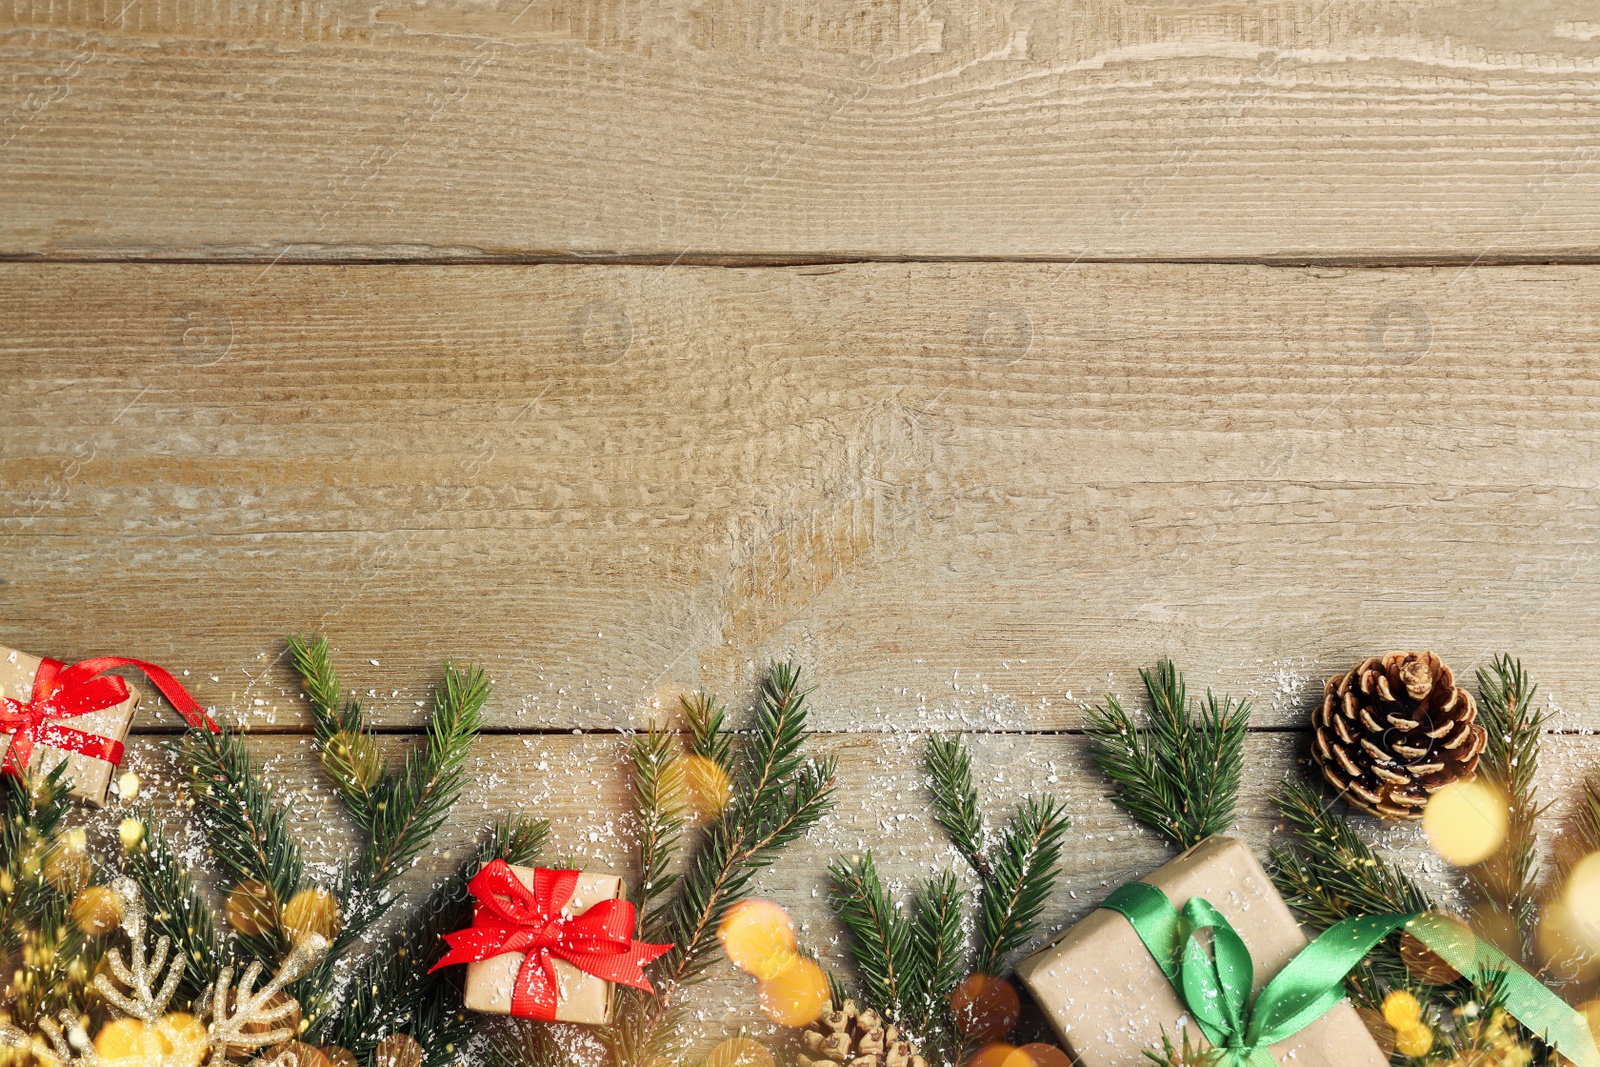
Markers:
{"x": 230, "y": 1019}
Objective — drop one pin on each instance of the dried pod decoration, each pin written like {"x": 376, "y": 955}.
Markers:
{"x": 1393, "y": 731}
{"x": 859, "y": 1038}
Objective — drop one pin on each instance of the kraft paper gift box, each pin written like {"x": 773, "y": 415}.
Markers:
{"x": 91, "y": 778}
{"x": 584, "y": 998}
{"x": 1109, "y": 1000}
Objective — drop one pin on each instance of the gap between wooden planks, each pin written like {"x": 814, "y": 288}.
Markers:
{"x": 580, "y": 784}
{"x": 961, "y": 496}
{"x": 970, "y": 128}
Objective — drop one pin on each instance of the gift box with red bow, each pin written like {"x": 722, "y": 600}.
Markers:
{"x": 50, "y": 712}
{"x": 548, "y": 944}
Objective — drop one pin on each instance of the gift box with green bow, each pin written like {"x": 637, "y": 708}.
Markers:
{"x": 1206, "y": 944}
{"x": 1110, "y": 998}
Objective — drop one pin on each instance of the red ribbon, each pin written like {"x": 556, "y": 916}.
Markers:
{"x": 509, "y": 917}
{"x": 62, "y": 692}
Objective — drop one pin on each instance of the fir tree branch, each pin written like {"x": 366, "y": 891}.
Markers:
{"x": 938, "y": 955}
{"x": 247, "y": 827}
{"x": 707, "y": 739}
{"x": 778, "y": 796}
{"x": 1180, "y": 774}
{"x": 880, "y": 935}
{"x": 1331, "y": 874}
{"x": 1510, "y": 763}
{"x": 176, "y": 907}
{"x": 1347, "y": 876}
{"x": 48, "y": 970}
{"x": 413, "y": 804}
{"x": 777, "y": 799}
{"x": 344, "y": 741}
{"x": 393, "y": 992}
{"x": 34, "y": 808}
{"x": 330, "y": 714}
{"x": 955, "y": 801}
{"x": 657, "y": 787}
{"x": 1027, "y": 857}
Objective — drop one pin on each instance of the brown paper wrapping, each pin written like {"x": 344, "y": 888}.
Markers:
{"x": 91, "y": 777}
{"x": 584, "y": 998}
{"x": 1108, "y": 1000}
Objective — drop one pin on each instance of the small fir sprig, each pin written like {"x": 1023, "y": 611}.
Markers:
{"x": 1180, "y": 774}
{"x": 778, "y": 794}
{"x": 658, "y": 808}
{"x": 246, "y": 825}
{"x": 1508, "y": 880}
{"x": 178, "y": 909}
{"x": 911, "y": 959}
{"x": 54, "y": 959}
{"x": 1329, "y": 873}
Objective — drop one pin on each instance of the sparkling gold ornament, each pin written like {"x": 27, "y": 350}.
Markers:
{"x": 183, "y": 1040}
{"x": 338, "y": 1056}
{"x": 252, "y": 909}
{"x": 96, "y": 910}
{"x": 127, "y": 785}
{"x": 311, "y": 911}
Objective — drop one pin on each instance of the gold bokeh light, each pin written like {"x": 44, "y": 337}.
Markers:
{"x": 1466, "y": 822}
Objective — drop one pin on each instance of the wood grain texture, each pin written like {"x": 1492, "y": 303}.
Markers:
{"x": 989, "y": 128}
{"x": 961, "y": 496}
{"x": 580, "y": 784}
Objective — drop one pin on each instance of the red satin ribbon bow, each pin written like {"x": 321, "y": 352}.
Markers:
{"x": 62, "y": 692}
{"x": 509, "y": 917}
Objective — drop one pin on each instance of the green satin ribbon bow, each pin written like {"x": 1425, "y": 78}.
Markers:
{"x": 1216, "y": 985}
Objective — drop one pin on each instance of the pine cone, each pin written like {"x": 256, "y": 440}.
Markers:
{"x": 857, "y": 1038}
{"x": 1395, "y": 730}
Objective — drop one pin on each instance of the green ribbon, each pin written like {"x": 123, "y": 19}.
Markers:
{"x": 1216, "y": 984}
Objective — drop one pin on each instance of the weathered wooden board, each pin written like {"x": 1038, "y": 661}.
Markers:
{"x": 815, "y": 127}
{"x": 964, "y": 496}
{"x": 580, "y": 784}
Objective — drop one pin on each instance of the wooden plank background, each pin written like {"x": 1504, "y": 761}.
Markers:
{"x": 972, "y": 354}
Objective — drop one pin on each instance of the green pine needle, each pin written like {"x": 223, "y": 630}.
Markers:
{"x": 938, "y": 955}
{"x": 880, "y": 935}
{"x": 1508, "y": 880}
{"x": 955, "y": 801}
{"x": 1025, "y": 860}
{"x": 245, "y": 823}
{"x": 778, "y": 795}
{"x": 176, "y": 907}
{"x": 1330, "y": 874}
{"x": 1180, "y": 774}
{"x": 658, "y": 810}
{"x": 411, "y": 805}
